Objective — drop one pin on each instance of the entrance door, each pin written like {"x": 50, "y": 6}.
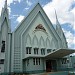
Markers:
{"x": 48, "y": 66}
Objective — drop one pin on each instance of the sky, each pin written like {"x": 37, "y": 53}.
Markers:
{"x": 65, "y": 9}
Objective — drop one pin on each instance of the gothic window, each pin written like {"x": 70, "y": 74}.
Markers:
{"x": 3, "y": 46}
{"x": 28, "y": 50}
{"x": 36, "y": 61}
{"x": 43, "y": 51}
{"x": 35, "y": 50}
{"x": 1, "y": 61}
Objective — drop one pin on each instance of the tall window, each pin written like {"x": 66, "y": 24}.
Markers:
{"x": 1, "y": 61}
{"x": 36, "y": 61}
{"x": 27, "y": 62}
{"x": 3, "y": 46}
{"x": 39, "y": 60}
{"x": 28, "y": 50}
{"x": 43, "y": 51}
{"x": 35, "y": 50}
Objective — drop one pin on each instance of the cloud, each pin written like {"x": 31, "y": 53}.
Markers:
{"x": 63, "y": 9}
{"x": 14, "y": 16}
{"x": 65, "y": 14}
{"x": 73, "y": 11}
{"x": 11, "y": 1}
{"x": 28, "y": 2}
{"x": 26, "y": 8}
{"x": 20, "y": 18}
{"x": 9, "y": 10}
{"x": 70, "y": 38}
{"x": 2, "y": 2}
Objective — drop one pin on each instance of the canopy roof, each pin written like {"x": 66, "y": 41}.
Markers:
{"x": 60, "y": 53}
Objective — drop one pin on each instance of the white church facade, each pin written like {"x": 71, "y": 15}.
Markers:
{"x": 34, "y": 46}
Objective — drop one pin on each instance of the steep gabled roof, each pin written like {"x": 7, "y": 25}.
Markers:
{"x": 33, "y": 13}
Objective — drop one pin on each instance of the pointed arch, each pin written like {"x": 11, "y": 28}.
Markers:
{"x": 47, "y": 42}
{"x": 42, "y": 43}
{"x": 35, "y": 41}
{"x": 52, "y": 43}
{"x": 28, "y": 40}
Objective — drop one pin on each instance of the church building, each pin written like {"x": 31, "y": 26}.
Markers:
{"x": 34, "y": 46}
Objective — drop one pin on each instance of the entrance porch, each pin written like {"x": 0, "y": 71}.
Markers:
{"x": 54, "y": 59}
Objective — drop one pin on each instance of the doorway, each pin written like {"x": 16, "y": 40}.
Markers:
{"x": 48, "y": 66}
{"x": 51, "y": 65}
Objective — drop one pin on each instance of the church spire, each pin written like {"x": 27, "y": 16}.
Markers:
{"x": 5, "y": 14}
{"x": 5, "y": 6}
{"x": 57, "y": 22}
{"x": 60, "y": 32}
{"x": 56, "y": 16}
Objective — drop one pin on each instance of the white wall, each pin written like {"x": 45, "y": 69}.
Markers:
{"x": 32, "y": 67}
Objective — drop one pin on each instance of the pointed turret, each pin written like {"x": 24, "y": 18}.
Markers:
{"x": 58, "y": 27}
{"x": 60, "y": 32}
{"x": 5, "y": 15}
{"x": 4, "y": 12}
{"x": 5, "y": 6}
{"x": 5, "y": 37}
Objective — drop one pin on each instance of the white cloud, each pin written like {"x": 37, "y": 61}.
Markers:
{"x": 28, "y": 2}
{"x": 17, "y": 1}
{"x": 20, "y": 18}
{"x": 9, "y": 10}
{"x": 9, "y": 2}
{"x": 2, "y": 2}
{"x": 26, "y": 8}
{"x": 70, "y": 38}
{"x": 14, "y": 16}
{"x": 63, "y": 11}
{"x": 73, "y": 11}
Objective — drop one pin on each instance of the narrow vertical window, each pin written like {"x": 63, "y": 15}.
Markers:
{"x": 28, "y": 50}
{"x": 35, "y": 50}
{"x": 43, "y": 51}
{"x": 39, "y": 60}
{"x": 33, "y": 61}
{"x": 3, "y": 46}
{"x": 36, "y": 61}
